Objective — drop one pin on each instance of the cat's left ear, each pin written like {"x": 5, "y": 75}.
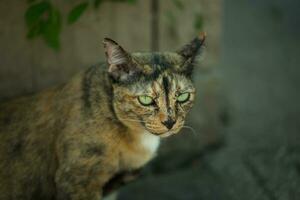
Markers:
{"x": 191, "y": 52}
{"x": 120, "y": 65}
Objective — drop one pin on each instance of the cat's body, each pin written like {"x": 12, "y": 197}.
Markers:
{"x": 33, "y": 156}
{"x": 69, "y": 141}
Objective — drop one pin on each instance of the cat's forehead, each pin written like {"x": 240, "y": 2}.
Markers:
{"x": 154, "y": 64}
{"x": 166, "y": 81}
{"x": 160, "y": 72}
{"x": 171, "y": 82}
{"x": 157, "y": 59}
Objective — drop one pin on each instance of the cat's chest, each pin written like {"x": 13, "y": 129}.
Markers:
{"x": 149, "y": 142}
{"x": 142, "y": 151}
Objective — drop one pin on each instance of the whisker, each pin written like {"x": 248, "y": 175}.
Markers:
{"x": 153, "y": 125}
{"x": 190, "y": 128}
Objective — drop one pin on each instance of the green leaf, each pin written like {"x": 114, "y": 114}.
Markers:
{"x": 76, "y": 12}
{"x": 35, "y": 17}
{"x": 35, "y": 12}
{"x": 52, "y": 29}
{"x": 30, "y": 1}
{"x": 97, "y": 3}
{"x": 35, "y": 30}
{"x": 198, "y": 24}
{"x": 178, "y": 4}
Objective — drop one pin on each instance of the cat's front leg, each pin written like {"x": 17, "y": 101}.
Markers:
{"x": 83, "y": 169}
{"x": 62, "y": 194}
{"x": 119, "y": 180}
{"x": 79, "y": 183}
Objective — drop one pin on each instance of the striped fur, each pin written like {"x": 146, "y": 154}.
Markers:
{"x": 72, "y": 142}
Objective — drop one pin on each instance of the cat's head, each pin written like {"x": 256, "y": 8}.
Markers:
{"x": 153, "y": 91}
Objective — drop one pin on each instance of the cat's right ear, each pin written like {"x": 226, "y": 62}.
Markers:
{"x": 120, "y": 66}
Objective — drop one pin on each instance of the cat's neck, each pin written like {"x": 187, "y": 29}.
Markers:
{"x": 149, "y": 141}
{"x": 97, "y": 95}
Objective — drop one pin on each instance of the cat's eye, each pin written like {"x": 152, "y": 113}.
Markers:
{"x": 146, "y": 100}
{"x": 184, "y": 97}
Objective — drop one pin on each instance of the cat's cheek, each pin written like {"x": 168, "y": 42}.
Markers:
{"x": 187, "y": 107}
{"x": 143, "y": 113}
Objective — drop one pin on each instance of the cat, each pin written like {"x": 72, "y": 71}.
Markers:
{"x": 68, "y": 142}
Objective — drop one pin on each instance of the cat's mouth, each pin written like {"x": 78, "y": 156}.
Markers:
{"x": 163, "y": 134}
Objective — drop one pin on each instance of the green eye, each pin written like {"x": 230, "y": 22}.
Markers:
{"x": 183, "y": 97}
{"x": 145, "y": 100}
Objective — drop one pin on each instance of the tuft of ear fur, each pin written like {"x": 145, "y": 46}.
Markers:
{"x": 191, "y": 49}
{"x": 115, "y": 54}
{"x": 190, "y": 52}
{"x": 120, "y": 65}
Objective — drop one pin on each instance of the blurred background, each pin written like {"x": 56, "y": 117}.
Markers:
{"x": 244, "y": 140}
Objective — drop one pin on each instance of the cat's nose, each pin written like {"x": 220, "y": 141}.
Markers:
{"x": 169, "y": 123}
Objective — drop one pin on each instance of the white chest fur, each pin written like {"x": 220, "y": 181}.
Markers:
{"x": 150, "y": 142}
{"x": 143, "y": 153}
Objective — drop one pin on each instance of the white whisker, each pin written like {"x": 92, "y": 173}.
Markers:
{"x": 190, "y": 128}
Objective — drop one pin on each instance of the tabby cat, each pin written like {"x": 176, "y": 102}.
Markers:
{"x": 68, "y": 142}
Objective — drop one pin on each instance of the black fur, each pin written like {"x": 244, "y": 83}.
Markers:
{"x": 86, "y": 87}
{"x": 166, "y": 85}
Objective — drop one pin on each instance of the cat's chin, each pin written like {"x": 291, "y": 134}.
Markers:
{"x": 163, "y": 135}
{"x": 167, "y": 134}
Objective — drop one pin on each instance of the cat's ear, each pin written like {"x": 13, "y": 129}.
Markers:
{"x": 120, "y": 65}
{"x": 191, "y": 52}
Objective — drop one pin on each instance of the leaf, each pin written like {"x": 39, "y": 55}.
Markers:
{"x": 52, "y": 29}
{"x": 30, "y": 1}
{"x": 35, "y": 12}
{"x": 35, "y": 30}
{"x": 97, "y": 3}
{"x": 178, "y": 4}
{"x": 76, "y": 12}
{"x": 198, "y": 24}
